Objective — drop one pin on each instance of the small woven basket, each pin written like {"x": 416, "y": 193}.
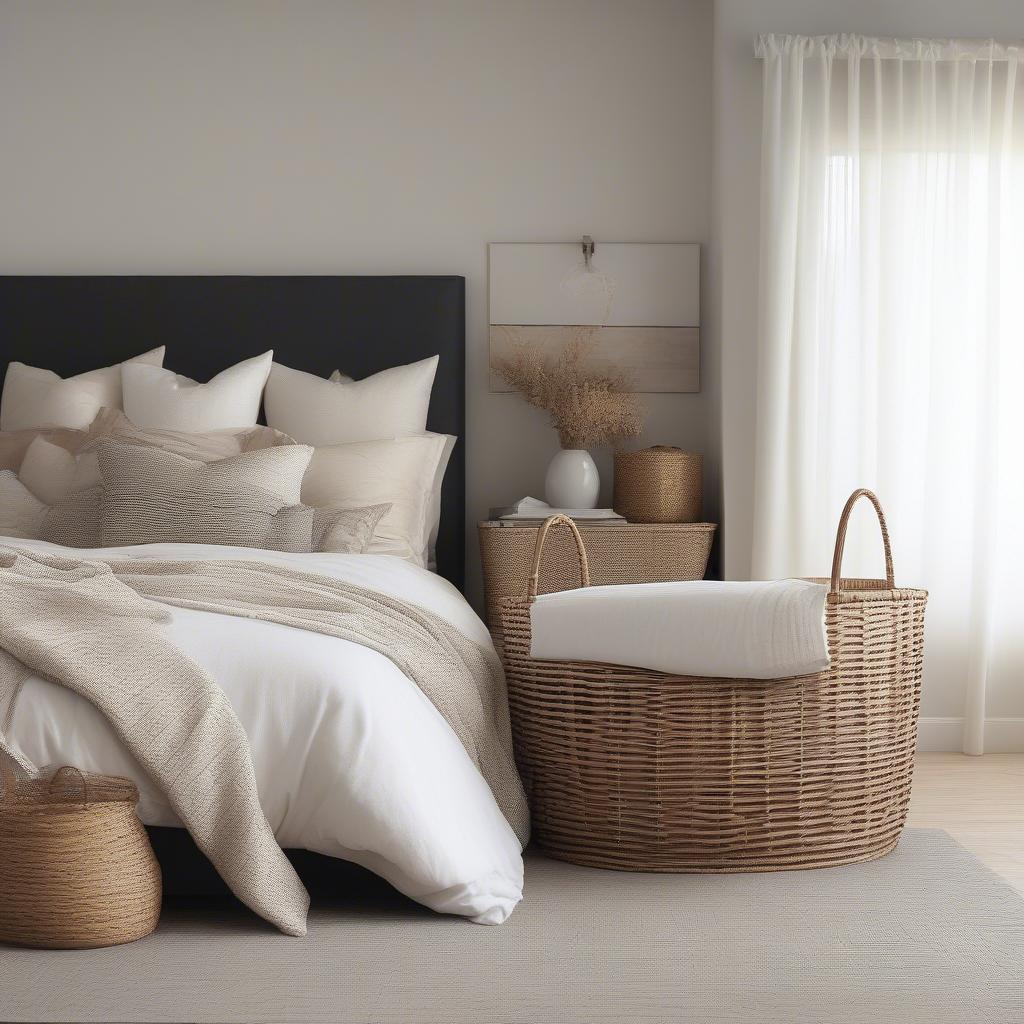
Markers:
{"x": 76, "y": 867}
{"x": 658, "y": 485}
{"x": 639, "y": 770}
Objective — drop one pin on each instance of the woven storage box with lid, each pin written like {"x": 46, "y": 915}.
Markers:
{"x": 76, "y": 867}
{"x": 659, "y": 485}
{"x": 638, "y": 770}
{"x": 636, "y": 553}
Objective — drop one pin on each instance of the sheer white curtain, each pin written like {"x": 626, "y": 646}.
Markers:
{"x": 891, "y": 348}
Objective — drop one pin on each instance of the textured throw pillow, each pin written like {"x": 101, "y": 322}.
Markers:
{"x": 246, "y": 519}
{"x": 152, "y": 496}
{"x": 403, "y": 471}
{"x": 206, "y": 447}
{"x": 346, "y": 530}
{"x": 34, "y": 398}
{"x": 392, "y": 403}
{"x": 209, "y": 447}
{"x": 76, "y": 520}
{"x": 157, "y": 399}
{"x": 21, "y": 512}
{"x": 50, "y": 471}
{"x": 73, "y": 521}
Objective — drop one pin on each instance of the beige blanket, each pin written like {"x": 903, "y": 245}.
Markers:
{"x": 93, "y": 627}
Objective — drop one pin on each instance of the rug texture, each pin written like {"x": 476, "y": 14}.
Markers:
{"x": 926, "y": 934}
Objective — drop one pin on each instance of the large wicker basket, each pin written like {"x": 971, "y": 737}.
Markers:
{"x": 633, "y": 769}
{"x": 76, "y": 867}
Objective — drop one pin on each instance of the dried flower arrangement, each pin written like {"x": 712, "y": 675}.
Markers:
{"x": 588, "y": 407}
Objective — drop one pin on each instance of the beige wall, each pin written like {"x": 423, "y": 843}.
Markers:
{"x": 383, "y": 136}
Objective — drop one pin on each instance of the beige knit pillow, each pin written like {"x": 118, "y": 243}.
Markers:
{"x": 208, "y": 447}
{"x": 75, "y": 520}
{"x": 152, "y": 496}
{"x": 21, "y": 513}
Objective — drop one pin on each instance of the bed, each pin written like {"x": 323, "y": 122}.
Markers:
{"x": 365, "y": 324}
{"x": 382, "y": 781}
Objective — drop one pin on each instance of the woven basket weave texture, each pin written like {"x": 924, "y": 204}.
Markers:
{"x": 659, "y": 485}
{"x": 638, "y": 770}
{"x": 76, "y": 867}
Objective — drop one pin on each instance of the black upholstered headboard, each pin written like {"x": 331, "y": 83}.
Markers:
{"x": 356, "y": 324}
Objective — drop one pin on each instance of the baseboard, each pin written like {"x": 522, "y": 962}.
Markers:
{"x": 1002, "y": 735}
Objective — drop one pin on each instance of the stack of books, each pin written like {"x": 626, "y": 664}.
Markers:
{"x": 532, "y": 512}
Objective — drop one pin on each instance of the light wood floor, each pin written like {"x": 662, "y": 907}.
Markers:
{"x": 979, "y": 801}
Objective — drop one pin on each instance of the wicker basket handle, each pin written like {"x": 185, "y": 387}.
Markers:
{"x": 844, "y": 522}
{"x": 538, "y": 552}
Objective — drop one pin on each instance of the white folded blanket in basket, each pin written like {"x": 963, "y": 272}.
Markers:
{"x": 705, "y": 628}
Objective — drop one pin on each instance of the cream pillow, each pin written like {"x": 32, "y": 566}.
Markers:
{"x": 49, "y": 471}
{"x": 157, "y": 399}
{"x": 33, "y": 397}
{"x": 14, "y": 444}
{"x": 404, "y": 471}
{"x": 435, "y": 500}
{"x": 21, "y": 512}
{"x": 392, "y": 403}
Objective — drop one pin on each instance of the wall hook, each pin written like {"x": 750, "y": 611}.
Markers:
{"x": 588, "y": 247}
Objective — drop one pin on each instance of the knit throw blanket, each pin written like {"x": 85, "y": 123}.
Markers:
{"x": 93, "y": 626}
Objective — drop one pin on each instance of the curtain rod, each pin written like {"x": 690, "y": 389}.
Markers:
{"x": 848, "y": 45}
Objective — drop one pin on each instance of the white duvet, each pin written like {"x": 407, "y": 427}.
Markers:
{"x": 351, "y": 759}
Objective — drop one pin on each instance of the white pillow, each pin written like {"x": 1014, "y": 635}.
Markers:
{"x": 21, "y": 513}
{"x": 158, "y": 399}
{"x": 14, "y": 443}
{"x": 392, "y": 403}
{"x": 49, "y": 471}
{"x": 435, "y": 501}
{"x": 40, "y": 398}
{"x": 405, "y": 471}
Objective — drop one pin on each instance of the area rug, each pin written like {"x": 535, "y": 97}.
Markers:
{"x": 926, "y": 934}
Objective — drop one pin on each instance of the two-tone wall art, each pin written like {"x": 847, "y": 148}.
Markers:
{"x": 637, "y": 303}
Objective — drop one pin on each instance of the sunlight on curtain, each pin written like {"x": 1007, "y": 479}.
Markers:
{"x": 891, "y": 348}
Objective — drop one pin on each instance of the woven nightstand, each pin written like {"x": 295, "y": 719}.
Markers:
{"x": 630, "y": 553}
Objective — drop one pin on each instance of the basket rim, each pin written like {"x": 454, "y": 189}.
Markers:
{"x": 59, "y": 806}
{"x": 498, "y": 524}
{"x": 866, "y": 590}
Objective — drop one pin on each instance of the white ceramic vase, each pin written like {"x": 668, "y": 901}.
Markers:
{"x": 572, "y": 480}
